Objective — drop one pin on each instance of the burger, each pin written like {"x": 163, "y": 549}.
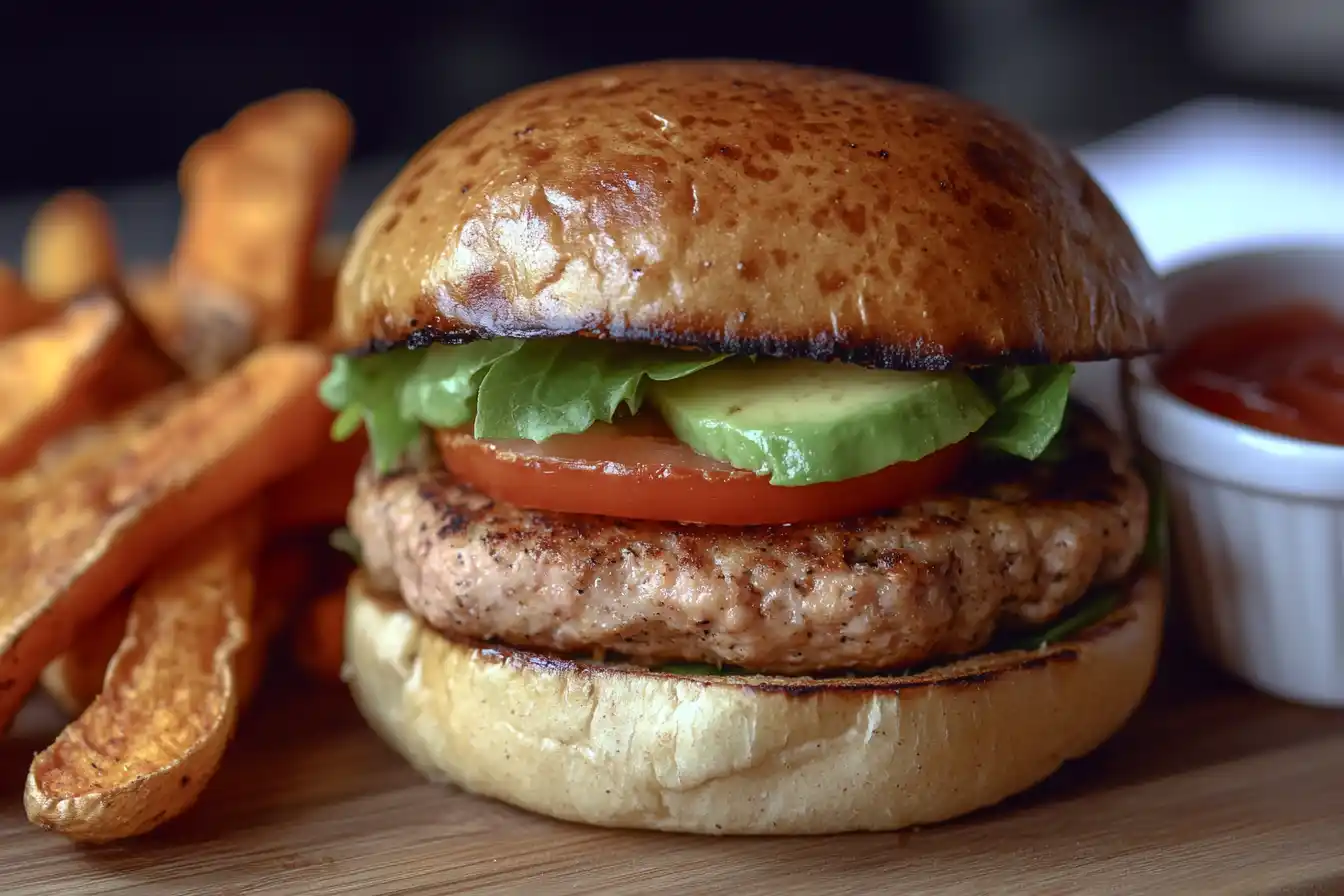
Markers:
{"x": 724, "y": 476}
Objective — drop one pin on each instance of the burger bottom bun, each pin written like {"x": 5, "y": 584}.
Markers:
{"x": 619, "y": 746}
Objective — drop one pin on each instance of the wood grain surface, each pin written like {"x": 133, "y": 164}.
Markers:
{"x": 1211, "y": 789}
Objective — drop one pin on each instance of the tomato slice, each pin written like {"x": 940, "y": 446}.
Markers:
{"x": 635, "y": 470}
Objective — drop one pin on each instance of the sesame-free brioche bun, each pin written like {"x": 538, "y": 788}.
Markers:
{"x": 752, "y": 208}
{"x": 625, "y": 747}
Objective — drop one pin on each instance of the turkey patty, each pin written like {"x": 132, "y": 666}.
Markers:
{"x": 1013, "y": 546}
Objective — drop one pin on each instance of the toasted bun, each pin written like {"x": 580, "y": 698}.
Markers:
{"x": 624, "y": 747}
{"x": 753, "y": 208}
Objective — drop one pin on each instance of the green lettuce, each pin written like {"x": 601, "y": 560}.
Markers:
{"x": 441, "y": 391}
{"x": 368, "y": 391}
{"x": 1156, "y": 548}
{"x": 1030, "y": 401}
{"x": 556, "y": 386}
{"x": 535, "y": 389}
{"x": 510, "y": 388}
{"x": 344, "y": 540}
{"x": 1094, "y": 607}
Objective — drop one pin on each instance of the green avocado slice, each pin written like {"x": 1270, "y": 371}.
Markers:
{"x": 805, "y": 422}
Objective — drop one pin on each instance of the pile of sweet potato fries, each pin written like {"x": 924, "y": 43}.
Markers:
{"x": 167, "y": 485}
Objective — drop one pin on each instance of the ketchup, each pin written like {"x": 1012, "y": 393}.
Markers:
{"x": 1280, "y": 370}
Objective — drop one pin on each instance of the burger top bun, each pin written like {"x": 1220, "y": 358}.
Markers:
{"x": 751, "y": 208}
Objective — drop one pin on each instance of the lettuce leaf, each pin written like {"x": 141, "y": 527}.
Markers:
{"x": 1091, "y": 609}
{"x": 344, "y": 540}
{"x": 368, "y": 390}
{"x": 1157, "y": 547}
{"x": 1030, "y": 403}
{"x": 555, "y": 386}
{"x": 511, "y": 388}
{"x": 441, "y": 392}
{"x": 535, "y": 389}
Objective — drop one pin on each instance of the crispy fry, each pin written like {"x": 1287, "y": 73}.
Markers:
{"x": 146, "y": 747}
{"x": 255, "y": 195}
{"x": 289, "y": 568}
{"x": 49, "y": 376}
{"x": 84, "y": 365}
{"x": 320, "y": 492}
{"x": 317, "y": 639}
{"x": 19, "y": 310}
{"x": 150, "y": 292}
{"x": 83, "y": 448}
{"x": 70, "y": 247}
{"x": 75, "y": 677}
{"x": 92, "y": 535}
{"x": 204, "y": 328}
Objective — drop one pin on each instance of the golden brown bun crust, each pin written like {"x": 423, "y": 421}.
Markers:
{"x": 752, "y": 208}
{"x": 723, "y": 755}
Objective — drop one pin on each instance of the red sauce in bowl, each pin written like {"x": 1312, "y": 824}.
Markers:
{"x": 1280, "y": 370}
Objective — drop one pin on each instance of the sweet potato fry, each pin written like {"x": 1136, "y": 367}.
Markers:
{"x": 255, "y": 195}
{"x": 319, "y": 493}
{"x": 317, "y": 639}
{"x": 19, "y": 310}
{"x": 70, "y": 248}
{"x": 204, "y": 328}
{"x": 150, "y": 292}
{"x": 93, "y": 535}
{"x": 89, "y": 362}
{"x": 75, "y": 677}
{"x": 289, "y": 569}
{"x": 146, "y": 747}
{"x": 49, "y": 376}
{"x": 84, "y": 448}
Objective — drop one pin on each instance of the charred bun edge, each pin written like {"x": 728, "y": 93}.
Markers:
{"x": 919, "y": 358}
{"x": 767, "y": 209}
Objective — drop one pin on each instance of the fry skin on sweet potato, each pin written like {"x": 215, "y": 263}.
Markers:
{"x": 70, "y": 248}
{"x": 150, "y": 292}
{"x": 145, "y": 748}
{"x": 289, "y": 569}
{"x": 89, "y": 362}
{"x": 70, "y": 544}
{"x": 19, "y": 310}
{"x": 49, "y": 376}
{"x": 75, "y": 677}
{"x": 255, "y": 195}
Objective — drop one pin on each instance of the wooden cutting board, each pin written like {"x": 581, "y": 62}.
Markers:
{"x": 1211, "y": 789}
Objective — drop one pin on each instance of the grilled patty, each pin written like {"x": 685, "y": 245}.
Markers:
{"x": 1013, "y": 547}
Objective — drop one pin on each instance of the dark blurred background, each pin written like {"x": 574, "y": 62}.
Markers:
{"x": 100, "y": 95}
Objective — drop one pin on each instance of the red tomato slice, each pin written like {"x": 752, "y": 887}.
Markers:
{"x": 633, "y": 471}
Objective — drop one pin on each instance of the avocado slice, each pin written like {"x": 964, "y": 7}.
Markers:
{"x": 805, "y": 422}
